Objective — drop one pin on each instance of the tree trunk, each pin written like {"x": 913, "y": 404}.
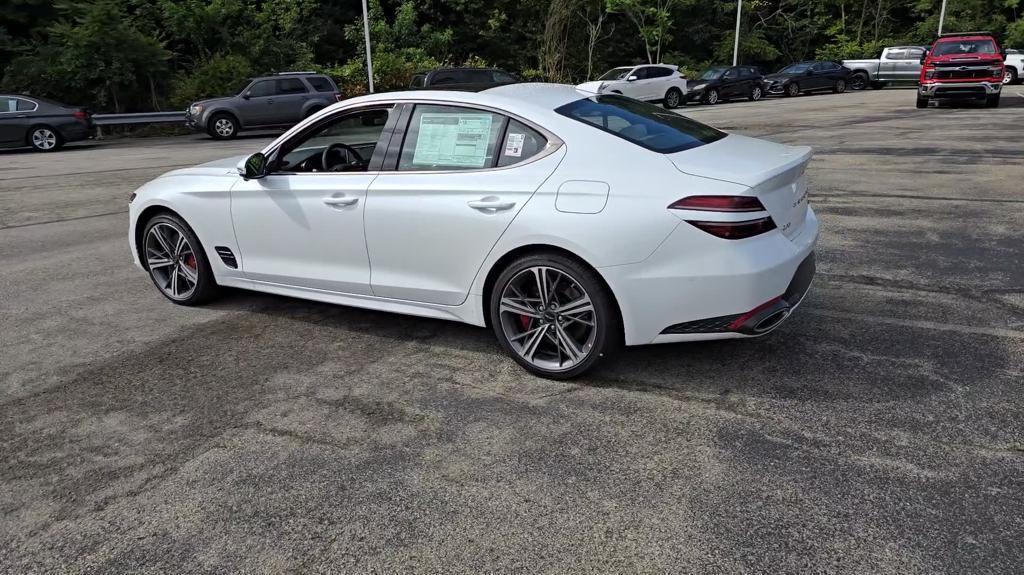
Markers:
{"x": 863, "y": 12}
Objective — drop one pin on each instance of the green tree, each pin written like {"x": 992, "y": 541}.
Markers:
{"x": 652, "y": 18}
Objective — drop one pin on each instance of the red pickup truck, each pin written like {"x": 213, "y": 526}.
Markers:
{"x": 967, "y": 65}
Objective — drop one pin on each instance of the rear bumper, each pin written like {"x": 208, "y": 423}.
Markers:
{"x": 960, "y": 89}
{"x": 693, "y": 279}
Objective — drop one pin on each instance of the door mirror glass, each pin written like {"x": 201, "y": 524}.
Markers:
{"x": 631, "y": 79}
{"x": 254, "y": 167}
{"x": 247, "y": 95}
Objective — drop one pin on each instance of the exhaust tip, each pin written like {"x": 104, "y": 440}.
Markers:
{"x": 771, "y": 321}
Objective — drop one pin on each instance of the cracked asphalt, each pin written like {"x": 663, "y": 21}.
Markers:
{"x": 879, "y": 430}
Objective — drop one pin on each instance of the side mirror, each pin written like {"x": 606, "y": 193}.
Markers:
{"x": 254, "y": 167}
{"x": 631, "y": 79}
{"x": 246, "y": 96}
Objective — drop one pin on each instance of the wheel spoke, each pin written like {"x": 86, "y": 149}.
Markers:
{"x": 578, "y": 306}
{"x": 527, "y": 333}
{"x": 174, "y": 281}
{"x": 189, "y": 274}
{"x": 181, "y": 243}
{"x": 580, "y": 321}
{"x": 538, "y": 276}
{"x": 156, "y": 233}
{"x": 566, "y": 344}
{"x": 530, "y": 348}
{"x": 512, "y": 306}
{"x": 159, "y": 262}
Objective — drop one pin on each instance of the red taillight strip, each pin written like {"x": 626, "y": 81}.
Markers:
{"x": 718, "y": 204}
{"x": 735, "y": 230}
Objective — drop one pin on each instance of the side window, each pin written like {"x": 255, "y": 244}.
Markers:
{"x": 290, "y": 86}
{"x": 25, "y": 105}
{"x": 321, "y": 84}
{"x": 896, "y": 55}
{"x": 521, "y": 142}
{"x": 659, "y": 72}
{"x": 418, "y": 80}
{"x": 640, "y": 73}
{"x": 914, "y": 54}
{"x": 477, "y": 76}
{"x": 351, "y": 139}
{"x": 262, "y": 88}
{"x": 817, "y": 67}
{"x": 503, "y": 76}
{"x": 8, "y": 104}
{"x": 731, "y": 74}
{"x": 450, "y": 138}
{"x": 446, "y": 77}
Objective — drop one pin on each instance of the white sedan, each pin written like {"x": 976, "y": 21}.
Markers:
{"x": 569, "y": 223}
{"x": 649, "y": 82}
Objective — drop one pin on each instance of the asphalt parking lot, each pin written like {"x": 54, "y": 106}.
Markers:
{"x": 879, "y": 430}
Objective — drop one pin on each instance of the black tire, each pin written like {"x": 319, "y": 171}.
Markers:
{"x": 756, "y": 93}
{"x": 792, "y": 89}
{"x": 607, "y": 328}
{"x": 992, "y": 101}
{"x": 206, "y": 284}
{"x": 839, "y": 86}
{"x": 712, "y": 99}
{"x": 1011, "y": 73}
{"x": 922, "y": 102}
{"x": 43, "y": 138}
{"x": 858, "y": 81}
{"x": 673, "y": 98}
{"x": 216, "y": 127}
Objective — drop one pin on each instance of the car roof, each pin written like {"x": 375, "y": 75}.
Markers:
{"x": 971, "y": 36}
{"x": 516, "y": 98}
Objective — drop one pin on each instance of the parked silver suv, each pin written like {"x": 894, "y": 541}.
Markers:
{"x": 276, "y": 101}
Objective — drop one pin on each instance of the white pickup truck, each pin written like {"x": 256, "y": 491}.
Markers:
{"x": 1014, "y": 66}
{"x": 897, "y": 64}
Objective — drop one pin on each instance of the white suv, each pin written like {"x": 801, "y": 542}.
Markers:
{"x": 1014, "y": 63}
{"x": 650, "y": 82}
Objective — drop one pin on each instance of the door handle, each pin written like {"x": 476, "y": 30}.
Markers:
{"x": 333, "y": 201}
{"x": 490, "y": 203}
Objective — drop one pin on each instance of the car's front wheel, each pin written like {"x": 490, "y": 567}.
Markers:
{"x": 711, "y": 96}
{"x": 755, "y": 93}
{"x": 672, "y": 98}
{"x": 553, "y": 315}
{"x": 223, "y": 127}
{"x": 793, "y": 89}
{"x": 176, "y": 261}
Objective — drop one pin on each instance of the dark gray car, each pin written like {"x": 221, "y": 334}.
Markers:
{"x": 276, "y": 101}
{"x": 27, "y": 121}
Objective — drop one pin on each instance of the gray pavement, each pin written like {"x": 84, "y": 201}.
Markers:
{"x": 879, "y": 430}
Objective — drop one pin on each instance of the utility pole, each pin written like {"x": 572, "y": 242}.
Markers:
{"x": 736, "y": 42}
{"x": 366, "y": 33}
{"x": 942, "y": 16}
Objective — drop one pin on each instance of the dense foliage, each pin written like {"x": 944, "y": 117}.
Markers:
{"x": 129, "y": 55}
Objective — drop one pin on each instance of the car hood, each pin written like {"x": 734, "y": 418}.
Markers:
{"x": 782, "y": 76}
{"x": 226, "y": 166}
{"x": 209, "y": 101}
{"x": 740, "y": 159}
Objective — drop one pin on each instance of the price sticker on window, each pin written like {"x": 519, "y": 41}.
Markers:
{"x": 514, "y": 145}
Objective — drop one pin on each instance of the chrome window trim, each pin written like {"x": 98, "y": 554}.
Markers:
{"x": 34, "y": 104}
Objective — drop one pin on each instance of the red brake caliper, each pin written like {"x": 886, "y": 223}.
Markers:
{"x": 190, "y": 261}
{"x": 525, "y": 321}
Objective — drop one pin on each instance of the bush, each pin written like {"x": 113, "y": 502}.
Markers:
{"x": 846, "y": 49}
{"x": 216, "y": 76}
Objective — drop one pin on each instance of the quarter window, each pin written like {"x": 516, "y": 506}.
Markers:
{"x": 521, "y": 142}
{"x": 451, "y": 138}
{"x": 321, "y": 84}
{"x": 25, "y": 105}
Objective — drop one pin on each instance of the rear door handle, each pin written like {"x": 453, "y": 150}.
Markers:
{"x": 333, "y": 201}
{"x": 490, "y": 203}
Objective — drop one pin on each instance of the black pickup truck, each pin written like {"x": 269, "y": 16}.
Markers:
{"x": 467, "y": 79}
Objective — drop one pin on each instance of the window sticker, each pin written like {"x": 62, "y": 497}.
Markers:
{"x": 447, "y": 139}
{"x": 514, "y": 145}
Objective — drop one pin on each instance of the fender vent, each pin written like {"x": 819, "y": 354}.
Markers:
{"x": 227, "y": 256}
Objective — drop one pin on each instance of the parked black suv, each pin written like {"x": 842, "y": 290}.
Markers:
{"x": 275, "y": 101}
{"x": 468, "y": 79}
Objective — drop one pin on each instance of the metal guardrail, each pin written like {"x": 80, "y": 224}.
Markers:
{"x": 144, "y": 118}
{"x": 128, "y": 119}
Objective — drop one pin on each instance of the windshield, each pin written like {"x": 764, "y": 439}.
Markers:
{"x": 645, "y": 125}
{"x": 616, "y": 74}
{"x": 712, "y": 74}
{"x": 964, "y": 47}
{"x": 237, "y": 90}
{"x": 795, "y": 69}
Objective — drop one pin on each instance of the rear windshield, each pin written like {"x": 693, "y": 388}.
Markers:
{"x": 964, "y": 47}
{"x": 645, "y": 125}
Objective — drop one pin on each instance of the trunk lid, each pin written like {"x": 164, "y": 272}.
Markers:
{"x": 773, "y": 172}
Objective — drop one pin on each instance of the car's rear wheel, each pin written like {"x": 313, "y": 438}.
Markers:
{"x": 793, "y": 89}
{"x": 859, "y": 81}
{"x": 839, "y": 86}
{"x": 711, "y": 96}
{"x": 223, "y": 127}
{"x": 755, "y": 93}
{"x": 553, "y": 315}
{"x": 44, "y": 139}
{"x": 672, "y": 98}
{"x": 176, "y": 261}
{"x": 1010, "y": 75}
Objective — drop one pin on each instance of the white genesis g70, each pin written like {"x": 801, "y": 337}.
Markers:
{"x": 568, "y": 222}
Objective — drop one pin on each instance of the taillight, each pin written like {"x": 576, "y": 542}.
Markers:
{"x": 718, "y": 204}
{"x": 81, "y": 115}
{"x": 735, "y": 230}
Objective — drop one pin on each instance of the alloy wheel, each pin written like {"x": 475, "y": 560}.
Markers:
{"x": 755, "y": 95}
{"x": 793, "y": 90}
{"x": 548, "y": 318}
{"x": 44, "y": 139}
{"x": 224, "y": 127}
{"x": 840, "y": 86}
{"x": 171, "y": 261}
{"x": 672, "y": 99}
{"x": 713, "y": 97}
{"x": 1007, "y": 77}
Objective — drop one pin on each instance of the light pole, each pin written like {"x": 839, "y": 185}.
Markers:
{"x": 942, "y": 16}
{"x": 736, "y": 40}
{"x": 366, "y": 33}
